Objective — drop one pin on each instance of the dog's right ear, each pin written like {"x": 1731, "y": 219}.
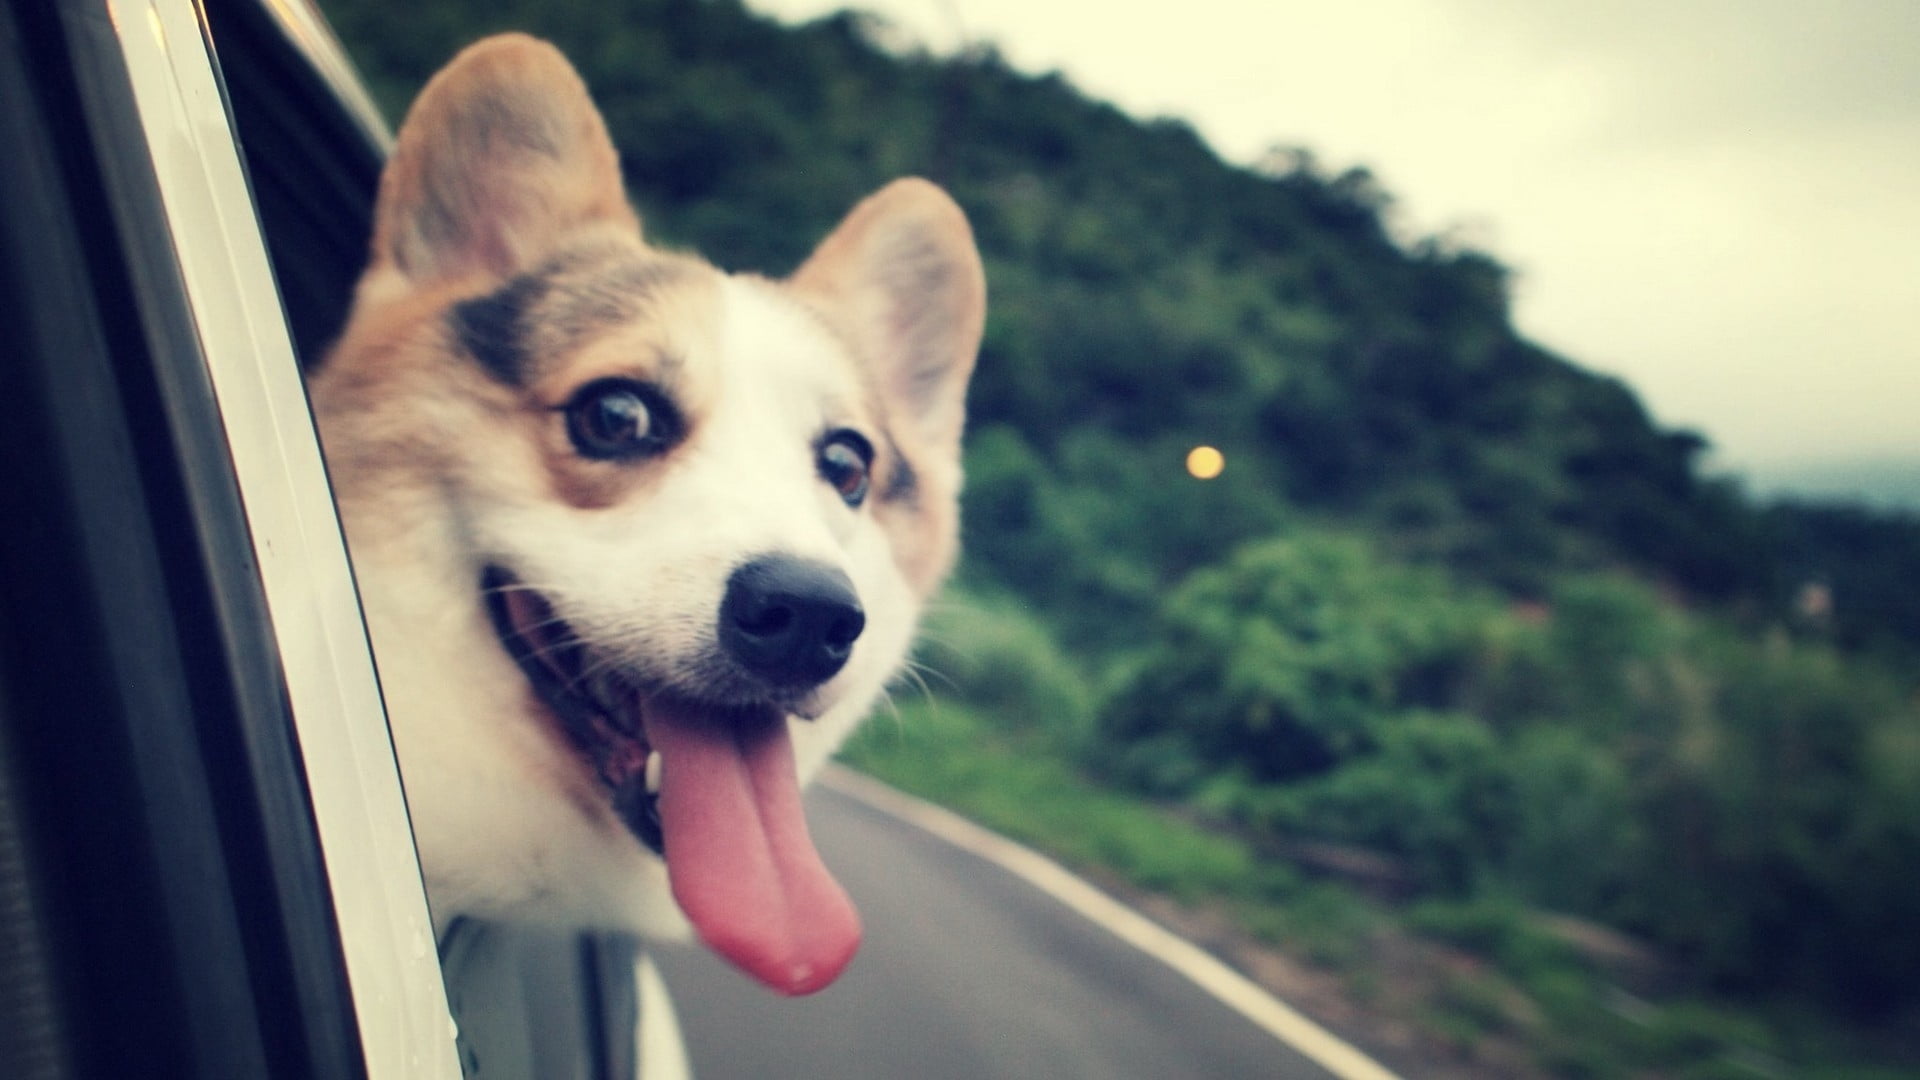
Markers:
{"x": 501, "y": 157}
{"x": 903, "y": 277}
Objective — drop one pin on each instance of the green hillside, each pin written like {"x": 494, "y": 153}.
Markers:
{"x": 1147, "y": 297}
{"x": 1455, "y": 600}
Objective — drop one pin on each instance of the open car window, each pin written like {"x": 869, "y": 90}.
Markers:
{"x": 203, "y": 840}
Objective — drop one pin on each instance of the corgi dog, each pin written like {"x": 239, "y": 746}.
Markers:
{"x": 639, "y": 541}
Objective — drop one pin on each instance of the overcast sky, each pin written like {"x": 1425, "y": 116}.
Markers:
{"x": 1718, "y": 200}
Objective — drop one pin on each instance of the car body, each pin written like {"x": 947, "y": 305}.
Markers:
{"x": 205, "y": 863}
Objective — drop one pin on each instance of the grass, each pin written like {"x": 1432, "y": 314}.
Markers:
{"x": 941, "y": 752}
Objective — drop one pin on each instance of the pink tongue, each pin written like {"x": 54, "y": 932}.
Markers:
{"x": 741, "y": 862}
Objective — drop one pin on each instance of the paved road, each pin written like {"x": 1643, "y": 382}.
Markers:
{"x": 967, "y": 973}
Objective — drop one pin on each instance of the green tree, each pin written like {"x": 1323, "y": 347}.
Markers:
{"x": 1293, "y": 656}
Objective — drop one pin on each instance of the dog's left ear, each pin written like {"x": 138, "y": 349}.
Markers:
{"x": 502, "y": 158}
{"x": 901, "y": 274}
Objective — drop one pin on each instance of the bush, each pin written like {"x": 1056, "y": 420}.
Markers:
{"x": 1433, "y": 793}
{"x": 1576, "y": 843}
{"x": 1294, "y": 656}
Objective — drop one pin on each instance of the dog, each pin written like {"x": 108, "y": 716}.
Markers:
{"x": 639, "y": 541}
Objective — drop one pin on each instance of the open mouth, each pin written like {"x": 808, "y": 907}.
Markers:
{"x": 598, "y": 710}
{"x": 712, "y": 789}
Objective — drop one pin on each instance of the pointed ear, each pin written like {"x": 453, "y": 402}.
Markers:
{"x": 501, "y": 156}
{"x": 901, "y": 274}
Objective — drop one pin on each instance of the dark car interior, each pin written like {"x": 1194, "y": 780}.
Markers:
{"x": 163, "y": 904}
{"x": 313, "y": 166}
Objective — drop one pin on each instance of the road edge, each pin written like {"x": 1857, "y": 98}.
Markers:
{"x": 1198, "y": 966}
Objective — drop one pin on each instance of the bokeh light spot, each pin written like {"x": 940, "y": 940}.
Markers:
{"x": 1205, "y": 463}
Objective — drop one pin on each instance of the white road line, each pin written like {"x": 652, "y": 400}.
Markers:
{"x": 1228, "y": 986}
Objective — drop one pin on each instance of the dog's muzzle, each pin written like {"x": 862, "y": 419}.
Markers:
{"x": 708, "y": 781}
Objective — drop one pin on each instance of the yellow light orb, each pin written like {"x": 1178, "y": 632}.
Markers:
{"x": 1205, "y": 463}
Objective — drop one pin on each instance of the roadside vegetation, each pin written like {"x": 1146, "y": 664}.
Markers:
{"x": 1461, "y": 656}
{"x": 1463, "y": 885}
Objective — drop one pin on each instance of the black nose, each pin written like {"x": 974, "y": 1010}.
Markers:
{"x": 790, "y": 621}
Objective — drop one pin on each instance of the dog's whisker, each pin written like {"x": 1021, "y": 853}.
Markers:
{"x": 599, "y": 665}
{"x": 893, "y": 711}
{"x": 920, "y": 674}
{"x": 516, "y": 585}
{"x": 909, "y": 674}
{"x": 542, "y": 624}
{"x": 553, "y": 646}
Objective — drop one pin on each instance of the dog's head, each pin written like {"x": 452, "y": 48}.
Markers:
{"x": 639, "y": 541}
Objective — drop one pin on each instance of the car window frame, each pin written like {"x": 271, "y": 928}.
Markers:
{"x": 261, "y": 772}
{"x": 379, "y": 900}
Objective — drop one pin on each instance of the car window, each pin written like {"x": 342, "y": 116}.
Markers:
{"x": 211, "y": 832}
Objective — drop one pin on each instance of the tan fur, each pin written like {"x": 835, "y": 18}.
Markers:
{"x": 652, "y": 349}
{"x": 898, "y": 277}
{"x": 517, "y": 104}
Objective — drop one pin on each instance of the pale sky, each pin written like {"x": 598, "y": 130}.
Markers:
{"x": 1718, "y": 200}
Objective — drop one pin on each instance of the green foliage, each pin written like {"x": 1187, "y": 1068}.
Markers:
{"x": 1094, "y": 536}
{"x": 1326, "y": 923}
{"x": 1866, "y": 561}
{"x": 1598, "y": 661}
{"x": 1575, "y": 842}
{"x": 948, "y": 753}
{"x": 1784, "y": 850}
{"x": 1747, "y": 805}
{"x": 1434, "y": 791}
{"x": 1292, "y": 657}
{"x": 996, "y": 658}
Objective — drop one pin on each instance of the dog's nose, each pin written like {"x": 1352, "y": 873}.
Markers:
{"x": 789, "y": 620}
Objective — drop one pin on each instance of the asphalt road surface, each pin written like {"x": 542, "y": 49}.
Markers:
{"x": 967, "y": 973}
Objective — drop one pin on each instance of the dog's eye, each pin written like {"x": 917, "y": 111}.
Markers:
{"x": 845, "y": 462}
{"x": 610, "y": 419}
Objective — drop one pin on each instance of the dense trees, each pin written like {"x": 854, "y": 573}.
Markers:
{"x": 1454, "y": 598}
{"x": 1748, "y": 805}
